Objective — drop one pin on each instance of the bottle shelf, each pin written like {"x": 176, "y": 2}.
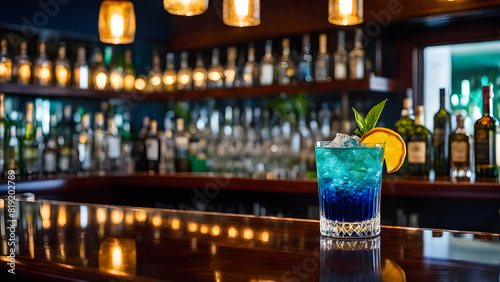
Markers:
{"x": 369, "y": 84}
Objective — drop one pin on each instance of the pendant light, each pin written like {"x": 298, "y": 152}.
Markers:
{"x": 241, "y": 13}
{"x": 185, "y": 7}
{"x": 345, "y": 12}
{"x": 117, "y": 22}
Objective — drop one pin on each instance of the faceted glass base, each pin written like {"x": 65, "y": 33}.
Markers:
{"x": 338, "y": 229}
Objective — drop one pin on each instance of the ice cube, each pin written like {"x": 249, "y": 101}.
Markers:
{"x": 352, "y": 142}
{"x": 339, "y": 140}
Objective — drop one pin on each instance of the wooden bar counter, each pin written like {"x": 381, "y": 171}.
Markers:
{"x": 84, "y": 242}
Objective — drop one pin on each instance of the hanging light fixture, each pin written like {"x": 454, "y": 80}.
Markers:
{"x": 117, "y": 22}
{"x": 241, "y": 13}
{"x": 345, "y": 12}
{"x": 185, "y": 7}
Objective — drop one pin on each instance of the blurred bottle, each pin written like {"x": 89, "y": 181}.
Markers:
{"x": 63, "y": 68}
{"x": 230, "y": 71}
{"x": 460, "y": 151}
{"x": 267, "y": 65}
{"x": 99, "y": 144}
{"x": 22, "y": 65}
{"x": 152, "y": 148}
{"x": 85, "y": 144}
{"x": 357, "y": 57}
{"x": 184, "y": 74}
{"x": 43, "y": 67}
{"x": 306, "y": 60}
{"x": 403, "y": 127}
{"x": 215, "y": 71}
{"x": 169, "y": 75}
{"x": 138, "y": 150}
{"x": 12, "y": 149}
{"x": 100, "y": 75}
{"x": 115, "y": 73}
{"x": 322, "y": 64}
{"x": 67, "y": 155}
{"x": 4, "y": 134}
{"x": 5, "y": 63}
{"x": 340, "y": 58}
{"x": 484, "y": 138}
{"x": 49, "y": 159}
{"x": 29, "y": 146}
{"x": 113, "y": 146}
{"x": 419, "y": 146}
{"x": 127, "y": 164}
{"x": 154, "y": 84}
{"x": 199, "y": 74}
{"x": 81, "y": 70}
{"x": 251, "y": 68}
{"x": 287, "y": 73}
{"x": 442, "y": 129}
{"x": 128, "y": 72}
{"x": 181, "y": 140}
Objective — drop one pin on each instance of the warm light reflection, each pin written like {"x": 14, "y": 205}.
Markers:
{"x": 117, "y": 24}
{"x": 44, "y": 210}
{"x": 345, "y": 12}
{"x": 241, "y": 7}
{"x": 101, "y": 79}
{"x": 184, "y": 79}
{"x": 116, "y": 81}
{"x": 216, "y": 230}
{"x": 46, "y": 223}
{"x": 156, "y": 220}
{"x": 129, "y": 82}
{"x": 45, "y": 74}
{"x": 185, "y": 7}
{"x": 84, "y": 216}
{"x": 218, "y": 276}
{"x": 198, "y": 76}
{"x": 6, "y": 71}
{"x": 204, "y": 229}
{"x": 24, "y": 73}
{"x": 101, "y": 215}
{"x": 176, "y": 224}
{"x": 192, "y": 227}
{"x": 118, "y": 256}
{"x": 141, "y": 216}
{"x": 214, "y": 75}
{"x": 232, "y": 232}
{"x": 61, "y": 218}
{"x": 155, "y": 80}
{"x": 140, "y": 84}
{"x": 168, "y": 80}
{"x": 116, "y": 216}
{"x": 345, "y": 7}
{"x": 241, "y": 13}
{"x": 248, "y": 234}
{"x": 264, "y": 236}
{"x": 129, "y": 218}
{"x": 62, "y": 75}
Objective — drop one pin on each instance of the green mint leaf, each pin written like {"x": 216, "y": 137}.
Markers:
{"x": 360, "y": 121}
{"x": 373, "y": 115}
{"x": 358, "y": 133}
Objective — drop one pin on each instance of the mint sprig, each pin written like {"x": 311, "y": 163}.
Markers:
{"x": 365, "y": 125}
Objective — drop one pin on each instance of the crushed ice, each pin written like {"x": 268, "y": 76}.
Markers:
{"x": 344, "y": 141}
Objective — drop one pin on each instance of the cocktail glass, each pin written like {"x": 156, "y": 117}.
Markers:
{"x": 349, "y": 185}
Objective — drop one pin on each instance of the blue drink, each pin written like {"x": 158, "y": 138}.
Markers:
{"x": 349, "y": 182}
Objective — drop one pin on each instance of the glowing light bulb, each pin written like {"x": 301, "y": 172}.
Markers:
{"x": 117, "y": 257}
{"x": 117, "y": 22}
{"x": 345, "y": 7}
{"x": 101, "y": 79}
{"x": 241, "y": 7}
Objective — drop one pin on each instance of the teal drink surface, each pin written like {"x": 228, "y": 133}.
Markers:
{"x": 349, "y": 182}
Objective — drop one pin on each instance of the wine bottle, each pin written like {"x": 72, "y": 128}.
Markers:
{"x": 29, "y": 145}
{"x": 230, "y": 71}
{"x": 154, "y": 84}
{"x": 287, "y": 73}
{"x": 199, "y": 74}
{"x": 267, "y": 65}
{"x": 4, "y": 134}
{"x": 184, "y": 74}
{"x": 306, "y": 60}
{"x": 484, "y": 138}
{"x": 128, "y": 72}
{"x": 99, "y": 144}
{"x": 12, "y": 149}
{"x": 181, "y": 140}
{"x": 100, "y": 75}
{"x": 357, "y": 57}
{"x": 460, "y": 151}
{"x": 113, "y": 146}
{"x": 215, "y": 71}
{"x": 43, "y": 67}
{"x": 85, "y": 144}
{"x": 169, "y": 75}
{"x": 322, "y": 64}
{"x": 442, "y": 129}
{"x": 152, "y": 148}
{"x": 22, "y": 65}
{"x": 340, "y": 58}
{"x": 251, "y": 69}
{"x": 81, "y": 70}
{"x": 419, "y": 146}
{"x": 49, "y": 159}
{"x": 5, "y": 63}
{"x": 62, "y": 69}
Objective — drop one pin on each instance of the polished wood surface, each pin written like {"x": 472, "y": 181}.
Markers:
{"x": 394, "y": 186}
{"x": 85, "y": 242}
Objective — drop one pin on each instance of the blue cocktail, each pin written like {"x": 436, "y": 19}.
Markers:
{"x": 349, "y": 182}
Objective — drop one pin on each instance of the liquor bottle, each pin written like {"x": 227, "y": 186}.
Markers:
{"x": 184, "y": 74}
{"x": 267, "y": 65}
{"x": 115, "y": 73}
{"x": 49, "y": 159}
{"x": 405, "y": 122}
{"x": 306, "y": 60}
{"x": 324, "y": 116}
{"x": 99, "y": 144}
{"x": 340, "y": 58}
{"x": 230, "y": 71}
{"x": 199, "y": 74}
{"x": 215, "y": 71}
{"x": 127, "y": 160}
{"x": 322, "y": 64}
{"x": 64, "y": 140}
{"x": 154, "y": 84}
{"x": 113, "y": 146}
{"x": 169, "y": 75}
{"x": 128, "y": 72}
{"x": 152, "y": 148}
{"x": 138, "y": 147}
{"x": 63, "y": 68}
{"x": 181, "y": 140}
{"x": 484, "y": 138}
{"x": 460, "y": 151}
{"x": 419, "y": 146}
{"x": 442, "y": 129}
{"x": 12, "y": 152}
{"x": 99, "y": 72}
{"x": 22, "y": 65}
{"x": 81, "y": 70}
{"x": 43, "y": 66}
{"x": 4, "y": 134}
{"x": 357, "y": 57}
{"x": 251, "y": 68}
{"x": 5, "y": 63}
{"x": 29, "y": 145}
{"x": 287, "y": 73}
{"x": 85, "y": 144}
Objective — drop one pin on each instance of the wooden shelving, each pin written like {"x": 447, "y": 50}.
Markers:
{"x": 370, "y": 84}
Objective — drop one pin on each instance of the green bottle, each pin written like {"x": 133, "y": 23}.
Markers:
{"x": 29, "y": 145}
{"x": 419, "y": 146}
{"x": 404, "y": 125}
{"x": 442, "y": 129}
{"x": 484, "y": 138}
{"x": 4, "y": 133}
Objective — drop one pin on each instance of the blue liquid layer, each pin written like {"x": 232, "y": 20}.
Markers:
{"x": 349, "y": 181}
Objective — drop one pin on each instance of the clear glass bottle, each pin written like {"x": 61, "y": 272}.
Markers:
{"x": 251, "y": 68}
{"x": 357, "y": 57}
{"x": 442, "y": 129}
{"x": 81, "y": 70}
{"x": 22, "y": 65}
{"x": 63, "y": 68}
{"x": 64, "y": 142}
{"x": 5, "y": 63}
{"x": 215, "y": 71}
{"x": 113, "y": 146}
{"x": 152, "y": 148}
{"x": 128, "y": 72}
{"x": 460, "y": 151}
{"x": 154, "y": 84}
{"x": 84, "y": 145}
{"x": 230, "y": 71}
{"x": 99, "y": 144}
{"x": 181, "y": 140}
{"x": 139, "y": 146}
{"x": 169, "y": 75}
{"x": 43, "y": 66}
{"x": 322, "y": 64}
{"x": 306, "y": 60}
{"x": 267, "y": 65}
{"x": 287, "y": 73}
{"x": 419, "y": 146}
{"x": 115, "y": 73}
{"x": 49, "y": 159}
{"x": 485, "y": 138}
{"x": 29, "y": 146}
{"x": 199, "y": 74}
{"x": 184, "y": 75}
{"x": 340, "y": 58}
{"x": 12, "y": 149}
{"x": 4, "y": 134}
{"x": 100, "y": 76}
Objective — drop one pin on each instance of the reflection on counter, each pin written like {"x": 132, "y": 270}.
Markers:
{"x": 118, "y": 256}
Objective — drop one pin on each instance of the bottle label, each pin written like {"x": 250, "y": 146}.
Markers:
{"x": 340, "y": 71}
{"x": 181, "y": 143}
{"x": 416, "y": 152}
{"x": 114, "y": 147}
{"x": 50, "y": 161}
{"x": 267, "y": 74}
{"x": 64, "y": 163}
{"x": 459, "y": 151}
{"x": 152, "y": 147}
{"x": 483, "y": 147}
